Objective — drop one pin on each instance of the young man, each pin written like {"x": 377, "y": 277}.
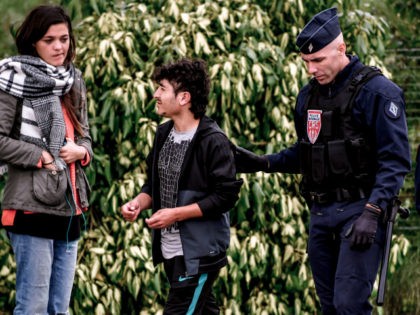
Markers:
{"x": 353, "y": 153}
{"x": 191, "y": 186}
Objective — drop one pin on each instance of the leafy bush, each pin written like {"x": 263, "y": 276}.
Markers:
{"x": 256, "y": 75}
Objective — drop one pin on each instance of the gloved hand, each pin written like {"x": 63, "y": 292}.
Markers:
{"x": 363, "y": 230}
{"x": 249, "y": 162}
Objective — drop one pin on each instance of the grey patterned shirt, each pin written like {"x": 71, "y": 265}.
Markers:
{"x": 169, "y": 165}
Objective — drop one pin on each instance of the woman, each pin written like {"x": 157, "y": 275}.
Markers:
{"x": 44, "y": 143}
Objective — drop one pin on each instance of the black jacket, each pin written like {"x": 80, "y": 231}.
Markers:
{"x": 208, "y": 177}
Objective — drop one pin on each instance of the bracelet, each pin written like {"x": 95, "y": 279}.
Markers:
{"x": 48, "y": 163}
{"x": 374, "y": 207}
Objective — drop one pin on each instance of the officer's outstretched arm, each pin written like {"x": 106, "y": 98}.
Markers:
{"x": 249, "y": 162}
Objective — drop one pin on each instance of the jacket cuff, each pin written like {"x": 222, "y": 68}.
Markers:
{"x": 86, "y": 159}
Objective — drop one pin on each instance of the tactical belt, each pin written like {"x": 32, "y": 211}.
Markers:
{"x": 338, "y": 195}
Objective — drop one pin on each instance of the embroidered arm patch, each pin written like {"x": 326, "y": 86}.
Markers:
{"x": 393, "y": 110}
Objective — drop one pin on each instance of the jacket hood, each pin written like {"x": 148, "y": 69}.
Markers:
{"x": 206, "y": 127}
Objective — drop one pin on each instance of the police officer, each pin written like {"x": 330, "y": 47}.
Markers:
{"x": 353, "y": 153}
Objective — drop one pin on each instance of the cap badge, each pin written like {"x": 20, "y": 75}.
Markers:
{"x": 310, "y": 47}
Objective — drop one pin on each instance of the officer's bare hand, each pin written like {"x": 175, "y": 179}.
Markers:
{"x": 162, "y": 218}
{"x": 131, "y": 210}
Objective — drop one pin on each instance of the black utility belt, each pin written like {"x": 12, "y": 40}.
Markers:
{"x": 338, "y": 195}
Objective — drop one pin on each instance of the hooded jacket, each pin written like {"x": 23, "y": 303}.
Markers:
{"x": 208, "y": 178}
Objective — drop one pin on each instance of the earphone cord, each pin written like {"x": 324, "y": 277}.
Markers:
{"x": 73, "y": 211}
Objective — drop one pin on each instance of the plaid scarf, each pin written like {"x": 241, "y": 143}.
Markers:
{"x": 40, "y": 85}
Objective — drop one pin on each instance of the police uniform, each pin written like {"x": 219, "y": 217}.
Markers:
{"x": 353, "y": 155}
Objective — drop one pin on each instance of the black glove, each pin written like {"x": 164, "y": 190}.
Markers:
{"x": 363, "y": 230}
{"x": 248, "y": 162}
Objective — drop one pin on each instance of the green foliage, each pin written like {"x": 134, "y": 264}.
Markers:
{"x": 402, "y": 15}
{"x": 118, "y": 55}
{"x": 256, "y": 74}
{"x": 405, "y": 302}
{"x": 16, "y": 11}
{"x": 7, "y": 273}
{"x": 403, "y": 60}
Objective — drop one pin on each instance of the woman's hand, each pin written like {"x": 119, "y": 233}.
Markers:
{"x": 48, "y": 161}
{"x": 72, "y": 152}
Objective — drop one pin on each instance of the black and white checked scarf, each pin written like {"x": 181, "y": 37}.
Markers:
{"x": 40, "y": 85}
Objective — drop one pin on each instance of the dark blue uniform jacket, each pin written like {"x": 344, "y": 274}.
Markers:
{"x": 380, "y": 108}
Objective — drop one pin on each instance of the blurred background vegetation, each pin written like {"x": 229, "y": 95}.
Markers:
{"x": 256, "y": 75}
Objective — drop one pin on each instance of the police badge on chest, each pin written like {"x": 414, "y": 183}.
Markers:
{"x": 313, "y": 124}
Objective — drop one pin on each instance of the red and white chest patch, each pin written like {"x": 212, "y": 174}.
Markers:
{"x": 313, "y": 124}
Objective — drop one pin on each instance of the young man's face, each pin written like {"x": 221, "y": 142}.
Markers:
{"x": 324, "y": 64}
{"x": 167, "y": 103}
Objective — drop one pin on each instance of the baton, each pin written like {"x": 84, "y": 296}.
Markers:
{"x": 404, "y": 213}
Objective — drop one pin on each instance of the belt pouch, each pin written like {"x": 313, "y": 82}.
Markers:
{"x": 318, "y": 163}
{"x": 327, "y": 124}
{"x": 305, "y": 157}
{"x": 359, "y": 156}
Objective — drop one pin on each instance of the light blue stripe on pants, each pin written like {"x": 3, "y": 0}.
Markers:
{"x": 197, "y": 293}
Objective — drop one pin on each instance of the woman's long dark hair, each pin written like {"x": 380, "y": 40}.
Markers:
{"x": 33, "y": 28}
{"x": 37, "y": 23}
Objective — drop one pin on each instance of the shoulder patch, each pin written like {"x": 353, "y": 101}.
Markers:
{"x": 393, "y": 110}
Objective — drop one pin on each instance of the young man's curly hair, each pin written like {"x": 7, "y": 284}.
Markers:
{"x": 188, "y": 75}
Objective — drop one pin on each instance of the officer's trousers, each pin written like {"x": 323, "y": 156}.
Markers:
{"x": 344, "y": 277}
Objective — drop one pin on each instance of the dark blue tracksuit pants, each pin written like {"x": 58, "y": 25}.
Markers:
{"x": 343, "y": 277}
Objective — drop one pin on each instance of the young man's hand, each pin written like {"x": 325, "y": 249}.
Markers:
{"x": 168, "y": 216}
{"x": 162, "y": 218}
{"x": 131, "y": 210}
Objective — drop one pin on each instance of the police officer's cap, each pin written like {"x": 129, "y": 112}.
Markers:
{"x": 321, "y": 30}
